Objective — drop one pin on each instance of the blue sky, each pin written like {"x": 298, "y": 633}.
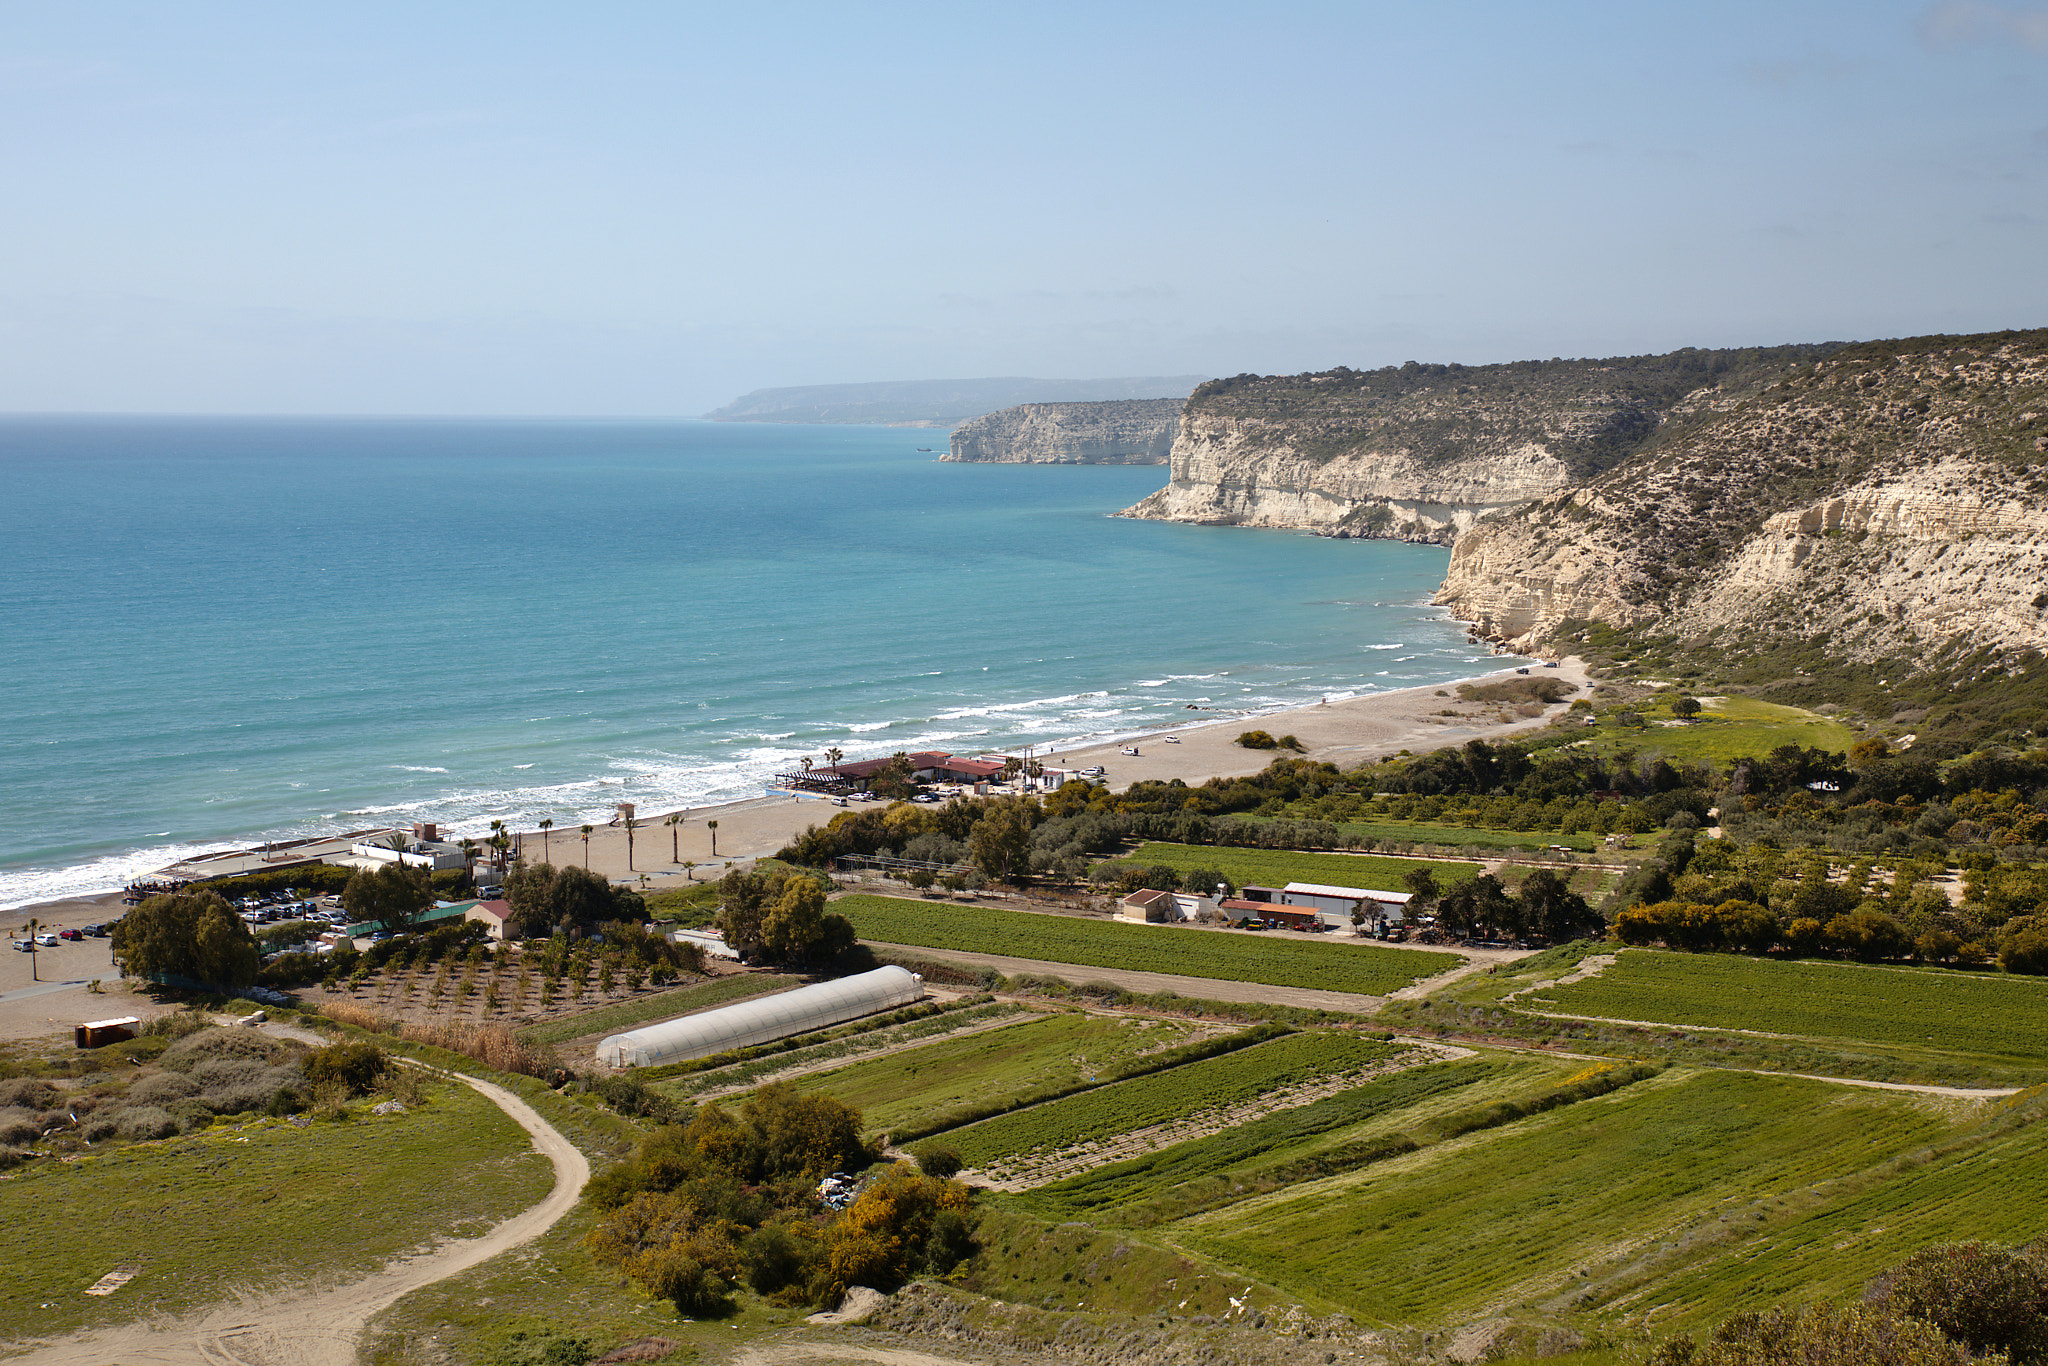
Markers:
{"x": 650, "y": 208}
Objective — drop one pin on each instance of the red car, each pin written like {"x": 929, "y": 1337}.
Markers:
{"x": 70, "y": 934}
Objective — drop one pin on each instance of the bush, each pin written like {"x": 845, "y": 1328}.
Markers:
{"x": 1816, "y": 1335}
{"x": 18, "y": 1124}
{"x": 30, "y": 1093}
{"x": 939, "y": 1161}
{"x": 161, "y": 1088}
{"x": 1987, "y": 1297}
{"x": 356, "y": 1067}
{"x": 1257, "y": 739}
{"x": 214, "y": 1043}
{"x": 146, "y": 1122}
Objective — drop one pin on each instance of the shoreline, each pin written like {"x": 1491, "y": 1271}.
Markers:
{"x": 1343, "y": 731}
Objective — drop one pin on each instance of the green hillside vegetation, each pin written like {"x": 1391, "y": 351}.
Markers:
{"x": 1725, "y": 730}
{"x": 1971, "y": 1013}
{"x": 1277, "y": 867}
{"x": 1441, "y": 411}
{"x": 1277, "y": 961}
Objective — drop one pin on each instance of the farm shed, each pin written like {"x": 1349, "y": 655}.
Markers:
{"x": 100, "y": 1033}
{"x": 764, "y": 1020}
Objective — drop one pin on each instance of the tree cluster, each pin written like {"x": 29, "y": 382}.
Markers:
{"x": 723, "y": 1200}
{"x": 776, "y": 913}
{"x": 190, "y": 934}
{"x": 1480, "y": 907}
{"x": 546, "y": 900}
{"x": 1948, "y": 1305}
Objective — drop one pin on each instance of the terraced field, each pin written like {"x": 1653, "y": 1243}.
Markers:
{"x": 1274, "y": 960}
{"x": 1514, "y": 1214}
{"x": 1965, "y": 1012}
{"x": 1141, "y": 1102}
{"x": 1040, "y": 1055}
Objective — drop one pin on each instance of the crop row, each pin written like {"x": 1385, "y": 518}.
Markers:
{"x": 1161, "y": 1097}
{"x": 1982, "y": 1013}
{"x": 1274, "y": 961}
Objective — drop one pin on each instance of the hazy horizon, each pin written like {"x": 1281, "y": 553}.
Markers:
{"x": 649, "y": 211}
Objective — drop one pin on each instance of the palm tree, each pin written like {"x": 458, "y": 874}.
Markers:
{"x": 498, "y": 842}
{"x": 675, "y": 836}
{"x": 712, "y": 826}
{"x": 469, "y": 856}
{"x": 833, "y": 756}
{"x": 807, "y": 763}
{"x": 545, "y": 826}
{"x": 690, "y": 872}
{"x": 632, "y": 823}
{"x": 586, "y": 846}
{"x": 29, "y": 930}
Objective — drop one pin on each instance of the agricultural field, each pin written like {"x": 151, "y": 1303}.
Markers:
{"x": 1387, "y": 828}
{"x": 845, "y": 1044}
{"x": 1041, "y": 1055}
{"x": 1276, "y": 960}
{"x": 1726, "y": 729}
{"x": 1936, "y": 1010}
{"x": 666, "y": 1005}
{"x": 1278, "y": 867}
{"x": 1516, "y": 1214}
{"x": 1160, "y": 1097}
{"x": 233, "y": 1206}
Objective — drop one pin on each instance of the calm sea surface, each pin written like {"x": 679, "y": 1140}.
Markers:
{"x": 219, "y": 630}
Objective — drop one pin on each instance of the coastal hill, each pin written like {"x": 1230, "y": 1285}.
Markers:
{"x": 1118, "y": 432}
{"x": 936, "y": 402}
{"x": 1889, "y": 499}
{"x": 1422, "y": 452}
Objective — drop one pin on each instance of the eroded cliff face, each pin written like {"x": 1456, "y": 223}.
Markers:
{"x": 1123, "y": 432}
{"x": 1235, "y": 471}
{"x": 1892, "y": 499}
{"x": 1423, "y": 452}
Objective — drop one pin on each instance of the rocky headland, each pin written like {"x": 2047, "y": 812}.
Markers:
{"x": 1128, "y": 432}
{"x": 1890, "y": 499}
{"x": 1423, "y": 452}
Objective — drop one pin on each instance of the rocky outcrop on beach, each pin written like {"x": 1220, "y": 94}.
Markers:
{"x": 1424, "y": 452}
{"x": 1889, "y": 498}
{"x": 1129, "y": 432}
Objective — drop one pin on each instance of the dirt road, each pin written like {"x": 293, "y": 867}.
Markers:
{"x": 1201, "y": 988}
{"x": 322, "y": 1329}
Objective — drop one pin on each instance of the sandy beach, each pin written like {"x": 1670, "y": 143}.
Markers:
{"x": 1345, "y": 733}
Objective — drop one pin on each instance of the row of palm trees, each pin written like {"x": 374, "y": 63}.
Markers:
{"x": 501, "y": 840}
{"x": 832, "y": 758}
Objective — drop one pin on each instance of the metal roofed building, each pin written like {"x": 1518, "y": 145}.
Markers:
{"x": 764, "y": 1019}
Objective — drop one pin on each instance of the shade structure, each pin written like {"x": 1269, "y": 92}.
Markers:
{"x": 764, "y": 1020}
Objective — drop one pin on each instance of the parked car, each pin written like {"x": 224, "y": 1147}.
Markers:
{"x": 47, "y": 940}
{"x": 73, "y": 935}
{"x": 23, "y": 946}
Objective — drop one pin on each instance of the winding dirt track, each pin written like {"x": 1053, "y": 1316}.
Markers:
{"x": 323, "y": 1329}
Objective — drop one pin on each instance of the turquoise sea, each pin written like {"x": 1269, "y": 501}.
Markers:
{"x": 219, "y": 631}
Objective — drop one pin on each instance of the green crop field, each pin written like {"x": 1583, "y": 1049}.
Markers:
{"x": 1275, "y": 960}
{"x": 1510, "y": 1214}
{"x": 256, "y": 1205}
{"x": 1036, "y": 1056}
{"x": 1159, "y": 1097}
{"x": 1734, "y": 728}
{"x": 1221, "y": 1166}
{"x": 1963, "y": 1012}
{"x": 1278, "y": 867}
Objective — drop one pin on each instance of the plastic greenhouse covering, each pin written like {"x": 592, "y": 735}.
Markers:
{"x": 763, "y": 1020}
